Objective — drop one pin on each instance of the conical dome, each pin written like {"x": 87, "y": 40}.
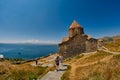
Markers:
{"x": 75, "y": 24}
{"x": 75, "y": 28}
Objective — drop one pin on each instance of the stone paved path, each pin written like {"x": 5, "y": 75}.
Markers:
{"x": 54, "y": 75}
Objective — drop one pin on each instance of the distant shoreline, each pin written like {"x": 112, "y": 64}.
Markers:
{"x": 21, "y": 60}
{"x": 26, "y": 51}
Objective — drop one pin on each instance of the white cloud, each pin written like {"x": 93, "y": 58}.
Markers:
{"x": 32, "y": 41}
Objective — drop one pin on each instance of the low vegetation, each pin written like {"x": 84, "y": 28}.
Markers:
{"x": 66, "y": 74}
{"x": 9, "y": 71}
{"x": 101, "y": 70}
{"x": 79, "y": 56}
{"x": 95, "y": 57}
{"x": 15, "y": 60}
{"x": 117, "y": 56}
{"x": 114, "y": 45}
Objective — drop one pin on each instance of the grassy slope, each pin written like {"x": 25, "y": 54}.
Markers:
{"x": 101, "y": 70}
{"x": 98, "y": 66}
{"x": 114, "y": 45}
{"x": 9, "y": 71}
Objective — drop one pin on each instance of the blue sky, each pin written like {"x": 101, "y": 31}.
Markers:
{"x": 47, "y": 21}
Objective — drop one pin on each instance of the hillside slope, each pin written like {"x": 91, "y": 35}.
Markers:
{"x": 112, "y": 43}
{"x": 99, "y": 65}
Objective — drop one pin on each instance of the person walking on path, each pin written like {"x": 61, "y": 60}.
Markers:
{"x": 36, "y": 61}
{"x": 57, "y": 63}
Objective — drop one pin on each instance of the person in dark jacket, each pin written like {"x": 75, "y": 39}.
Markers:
{"x": 57, "y": 63}
{"x": 36, "y": 61}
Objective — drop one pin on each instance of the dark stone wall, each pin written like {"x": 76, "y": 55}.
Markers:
{"x": 76, "y": 45}
{"x": 73, "y": 47}
{"x": 91, "y": 45}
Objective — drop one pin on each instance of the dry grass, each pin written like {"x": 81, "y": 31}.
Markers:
{"x": 66, "y": 74}
{"x": 100, "y": 71}
{"x": 79, "y": 56}
{"x": 94, "y": 57}
{"x": 9, "y": 71}
{"x": 107, "y": 69}
{"x": 114, "y": 46}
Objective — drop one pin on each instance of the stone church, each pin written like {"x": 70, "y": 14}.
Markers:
{"x": 77, "y": 42}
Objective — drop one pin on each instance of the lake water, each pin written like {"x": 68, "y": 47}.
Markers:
{"x": 27, "y": 51}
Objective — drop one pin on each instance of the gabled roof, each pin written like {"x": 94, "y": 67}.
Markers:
{"x": 65, "y": 39}
{"x": 75, "y": 24}
{"x": 89, "y": 37}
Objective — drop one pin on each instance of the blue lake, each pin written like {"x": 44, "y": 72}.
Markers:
{"x": 27, "y": 51}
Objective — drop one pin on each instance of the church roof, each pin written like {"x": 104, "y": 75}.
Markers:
{"x": 65, "y": 39}
{"x": 89, "y": 37}
{"x": 75, "y": 24}
{"x": 100, "y": 40}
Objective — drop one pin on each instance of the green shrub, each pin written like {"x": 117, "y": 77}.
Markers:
{"x": 79, "y": 56}
{"x": 97, "y": 76}
{"x": 117, "y": 56}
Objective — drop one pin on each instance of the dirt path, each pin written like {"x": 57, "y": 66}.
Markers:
{"x": 74, "y": 66}
{"x": 107, "y": 50}
{"x": 54, "y": 75}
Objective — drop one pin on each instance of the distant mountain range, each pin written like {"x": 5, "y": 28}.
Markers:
{"x": 110, "y": 39}
{"x": 112, "y": 43}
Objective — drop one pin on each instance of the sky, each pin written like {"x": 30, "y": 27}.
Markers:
{"x": 48, "y": 21}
